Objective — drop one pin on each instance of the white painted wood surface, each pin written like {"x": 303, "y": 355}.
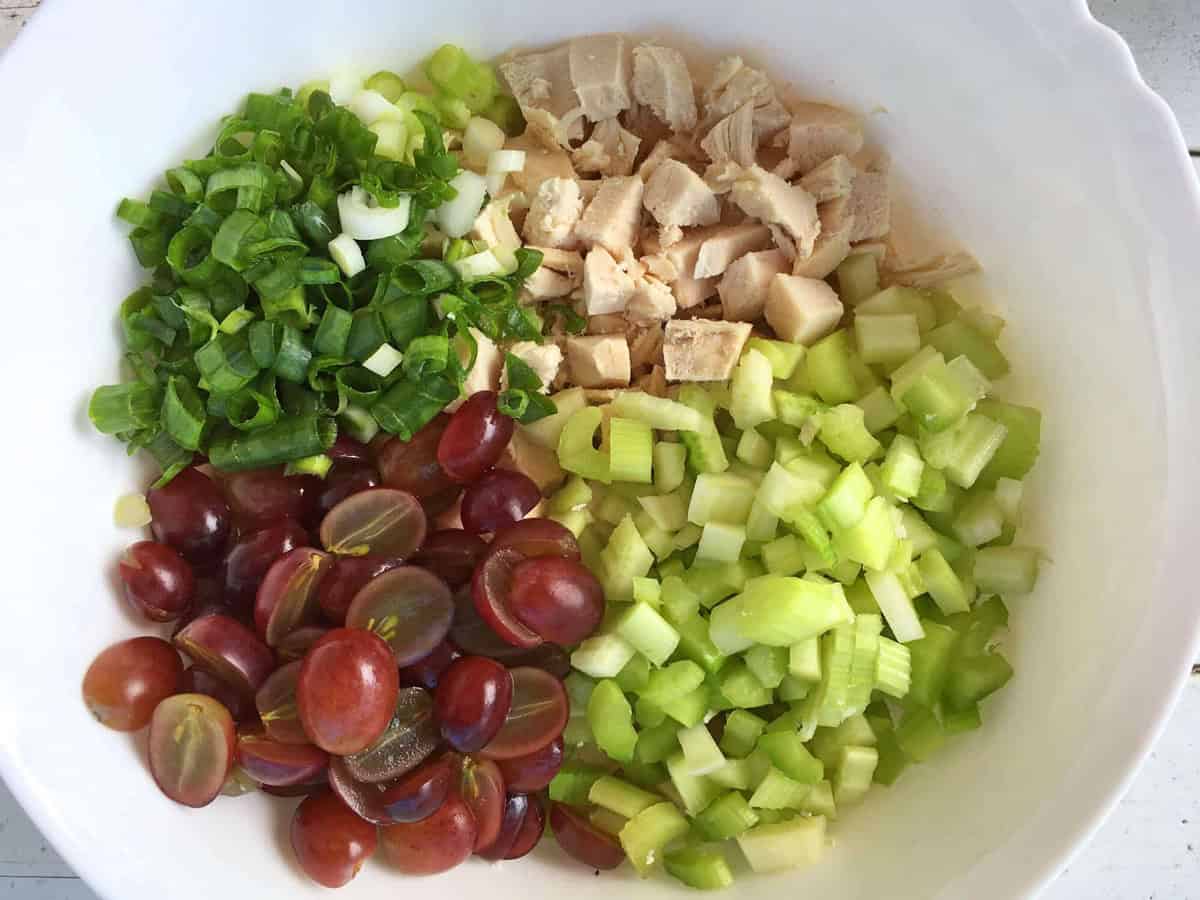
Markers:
{"x": 1149, "y": 848}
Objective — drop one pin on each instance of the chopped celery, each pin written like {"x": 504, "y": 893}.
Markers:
{"x": 864, "y": 665}
{"x": 899, "y": 299}
{"x": 819, "y": 801}
{"x": 720, "y": 497}
{"x": 1008, "y": 494}
{"x": 809, "y": 526}
{"x": 958, "y": 338}
{"x": 931, "y": 657}
{"x": 620, "y": 797}
{"x": 784, "y": 556}
{"x": 936, "y": 400}
{"x": 1019, "y": 451}
{"x": 657, "y": 744}
{"x": 857, "y": 278}
{"x": 837, "y": 660}
{"x": 902, "y": 377}
{"x": 742, "y": 731}
{"x": 827, "y": 366}
{"x": 611, "y": 721}
{"x": 960, "y": 721}
{"x": 778, "y": 791}
{"x": 846, "y": 502}
{"x": 843, "y": 432}
{"x": 762, "y": 524}
{"x": 648, "y": 591}
{"x": 974, "y": 678}
{"x": 943, "y": 584}
{"x": 859, "y": 596}
{"x": 647, "y": 714}
{"x": 902, "y": 468}
{"x": 919, "y": 735}
{"x": 696, "y": 791}
{"x": 1006, "y": 570}
{"x": 934, "y": 495}
{"x": 701, "y": 755}
{"x": 690, "y": 709}
{"x": 880, "y": 411}
{"x": 888, "y": 339}
{"x": 607, "y": 821}
{"x": 896, "y": 606}
{"x": 633, "y": 678}
{"x": 547, "y": 430}
{"x": 781, "y": 611}
{"x": 669, "y": 511}
{"x": 696, "y": 645}
{"x": 739, "y": 685}
{"x": 792, "y": 689}
{"x": 726, "y": 817}
{"x": 916, "y": 530}
{"x": 631, "y": 450}
{"x": 576, "y": 452}
{"x": 725, "y": 627}
{"x": 789, "y": 755}
{"x": 980, "y": 520}
{"x": 872, "y": 539}
{"x": 892, "y": 760}
{"x": 782, "y": 490}
{"x": 660, "y": 413}
{"x": 827, "y": 743}
{"x": 575, "y": 494}
{"x": 648, "y": 633}
{"x": 646, "y": 834}
{"x": 670, "y": 466}
{"x": 676, "y": 680}
{"x": 602, "y": 656}
{"x": 624, "y": 558}
{"x": 721, "y": 542}
{"x": 755, "y": 450}
{"x": 704, "y": 449}
{"x": 573, "y": 783}
{"x": 679, "y": 602}
{"x": 772, "y": 848}
{"x": 768, "y": 664}
{"x": 784, "y": 357}
{"x": 712, "y": 581}
{"x": 795, "y": 409}
{"x": 979, "y": 626}
{"x": 750, "y": 401}
{"x": 703, "y": 868}
{"x": 804, "y": 660}
{"x": 976, "y": 443}
{"x": 855, "y": 770}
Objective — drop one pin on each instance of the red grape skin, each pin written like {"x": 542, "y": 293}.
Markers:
{"x": 380, "y": 521}
{"x": 248, "y": 560}
{"x": 159, "y": 583}
{"x": 530, "y": 831}
{"x": 413, "y": 465}
{"x": 347, "y": 577}
{"x": 498, "y": 499}
{"x": 582, "y": 840}
{"x": 190, "y": 514}
{"x": 198, "y": 681}
{"x": 490, "y": 590}
{"x": 295, "y": 644}
{"x": 278, "y": 764}
{"x": 557, "y": 598}
{"x": 128, "y": 680}
{"x": 516, "y": 807}
{"x": 528, "y": 774}
{"x": 191, "y": 748}
{"x": 347, "y": 690}
{"x": 451, "y": 554}
{"x": 287, "y": 597}
{"x": 537, "y": 716}
{"x": 433, "y": 845}
{"x": 427, "y": 671}
{"x": 408, "y": 607}
{"x": 539, "y": 537}
{"x": 331, "y": 843}
{"x": 229, "y": 650}
{"x": 276, "y": 705}
{"x": 475, "y": 438}
{"x": 345, "y": 479}
{"x": 421, "y": 793}
{"x": 472, "y": 701}
{"x": 261, "y": 497}
{"x": 482, "y": 787}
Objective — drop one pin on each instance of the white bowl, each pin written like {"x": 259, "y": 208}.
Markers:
{"x": 1024, "y": 126}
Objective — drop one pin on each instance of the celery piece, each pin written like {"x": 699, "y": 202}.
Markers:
{"x": 726, "y": 817}
{"x": 725, "y": 627}
{"x": 809, "y": 526}
{"x": 624, "y": 558}
{"x": 893, "y": 668}
{"x": 574, "y": 495}
{"x": 713, "y": 581}
{"x": 661, "y": 543}
{"x": 928, "y": 359}
{"x": 860, "y": 598}
{"x": 667, "y": 685}
{"x": 607, "y": 821}
{"x": 827, "y": 366}
{"x": 762, "y": 524}
{"x": 782, "y": 490}
{"x": 777, "y": 791}
{"x": 961, "y": 721}
{"x": 646, "y": 834}
{"x": 669, "y": 511}
{"x": 690, "y": 709}
{"x": 902, "y": 468}
{"x": 696, "y": 791}
{"x": 657, "y": 744}
{"x": 704, "y": 449}
{"x": 855, "y": 771}
{"x": 972, "y": 382}
{"x": 843, "y": 432}
{"x": 648, "y": 591}
{"x": 872, "y": 539}
{"x": 1008, "y": 494}
{"x": 576, "y": 733}
{"x": 931, "y": 657}
{"x": 784, "y": 556}
{"x": 720, "y": 497}
{"x": 701, "y": 755}
{"x": 611, "y": 721}
{"x": 846, "y": 502}
{"x": 648, "y": 633}
{"x": 768, "y": 664}
{"x": 634, "y": 676}
{"x": 573, "y": 783}
{"x": 631, "y": 449}
{"x": 897, "y": 300}
{"x": 750, "y": 390}
{"x": 1006, "y": 570}
{"x": 896, "y": 606}
{"x": 958, "y": 338}
{"x": 795, "y": 409}
{"x": 576, "y": 452}
{"x": 987, "y": 324}
{"x": 819, "y": 801}
{"x": 935, "y": 494}
{"x": 721, "y": 542}
{"x": 892, "y": 760}
{"x": 942, "y": 583}
{"x": 919, "y": 735}
{"x": 695, "y": 644}
{"x": 789, "y": 755}
{"x": 880, "y": 411}
{"x": 579, "y": 690}
{"x": 787, "y": 448}
{"x": 741, "y": 687}
{"x": 979, "y": 626}
{"x": 980, "y": 520}
{"x": 837, "y": 659}
{"x": 670, "y": 465}
{"x": 679, "y": 602}
{"x": 974, "y": 678}
{"x": 647, "y": 714}
{"x": 685, "y": 537}
{"x": 776, "y": 816}
{"x": 621, "y": 797}
{"x": 804, "y": 660}
{"x": 916, "y": 530}
{"x": 703, "y": 868}
{"x": 1021, "y": 445}
{"x": 547, "y": 430}
{"x": 784, "y": 357}
{"x": 742, "y": 731}
{"x": 781, "y": 611}
{"x": 602, "y": 656}
{"x": 658, "y": 412}
{"x": 674, "y": 565}
{"x": 755, "y": 450}
{"x": 867, "y": 630}
{"x": 857, "y": 278}
{"x": 576, "y": 520}
{"x": 792, "y": 689}
{"x": 611, "y": 508}
{"x": 976, "y": 442}
{"x": 888, "y": 339}
{"x": 945, "y": 306}
{"x": 826, "y": 745}
{"x": 936, "y": 400}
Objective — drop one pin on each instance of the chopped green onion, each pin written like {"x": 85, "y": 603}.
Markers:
{"x": 288, "y": 439}
{"x": 120, "y": 408}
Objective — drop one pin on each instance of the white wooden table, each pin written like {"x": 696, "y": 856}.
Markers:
{"x": 1150, "y": 847}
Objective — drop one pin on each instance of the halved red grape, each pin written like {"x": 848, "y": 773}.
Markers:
{"x": 497, "y": 500}
{"x": 427, "y": 671}
{"x": 247, "y": 562}
{"x": 365, "y": 798}
{"x": 409, "y": 738}
{"x": 471, "y": 634}
{"x": 482, "y": 787}
{"x": 557, "y": 598}
{"x": 379, "y": 522}
{"x": 304, "y": 789}
{"x": 278, "y": 764}
{"x": 128, "y": 680}
{"x": 190, "y": 514}
{"x": 526, "y": 774}
{"x": 287, "y": 597}
{"x": 410, "y": 608}
{"x": 516, "y": 807}
{"x": 530, "y": 832}
{"x": 347, "y": 577}
{"x": 551, "y": 657}
{"x": 472, "y": 701}
{"x": 296, "y": 644}
{"x": 583, "y": 840}
{"x": 346, "y": 447}
{"x": 238, "y": 783}
{"x": 347, "y": 690}
{"x": 490, "y": 589}
{"x": 276, "y": 704}
{"x": 158, "y": 581}
{"x": 191, "y": 748}
{"x": 331, "y": 843}
{"x": 451, "y": 554}
{"x": 197, "y": 681}
{"x": 421, "y": 793}
{"x": 539, "y": 537}
{"x": 413, "y": 465}
{"x": 443, "y": 508}
{"x": 344, "y": 480}
{"x": 229, "y": 650}
{"x": 433, "y": 845}
{"x": 537, "y": 716}
{"x": 475, "y": 438}
{"x": 262, "y": 496}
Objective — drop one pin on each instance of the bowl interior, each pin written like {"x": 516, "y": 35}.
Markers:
{"x": 995, "y": 132}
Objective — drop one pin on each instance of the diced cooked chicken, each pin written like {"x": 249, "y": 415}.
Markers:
{"x": 607, "y": 323}
{"x": 541, "y": 162}
{"x": 612, "y": 217}
{"x": 660, "y": 267}
{"x": 677, "y": 196}
{"x": 772, "y": 200}
{"x": 661, "y": 82}
{"x": 786, "y": 168}
{"x": 543, "y": 88}
{"x": 933, "y": 270}
{"x": 663, "y": 150}
{"x": 545, "y": 360}
{"x": 600, "y": 67}
{"x": 607, "y": 288}
{"x": 719, "y": 251}
{"x": 652, "y": 301}
{"x": 743, "y": 287}
{"x": 734, "y": 84}
{"x": 721, "y": 176}
{"x": 871, "y": 206}
{"x": 485, "y": 374}
{"x": 802, "y": 310}
{"x": 654, "y": 382}
{"x": 833, "y": 245}
{"x": 599, "y": 361}
{"x": 546, "y": 284}
{"x": 645, "y": 345}
{"x": 690, "y": 291}
{"x": 831, "y": 179}
{"x": 525, "y": 455}
{"x": 568, "y": 262}
{"x": 818, "y": 132}
{"x": 702, "y": 350}
{"x": 553, "y": 213}
{"x": 732, "y": 138}
{"x": 783, "y": 241}
{"x": 609, "y": 150}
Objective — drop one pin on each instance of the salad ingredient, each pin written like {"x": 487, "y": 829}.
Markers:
{"x": 228, "y": 650}
{"x": 128, "y": 680}
{"x": 408, "y": 607}
{"x": 474, "y": 695}
{"x": 536, "y": 717}
{"x": 331, "y": 843}
{"x": 191, "y": 515}
{"x": 159, "y": 583}
{"x": 191, "y": 748}
{"x": 410, "y": 738}
{"x": 287, "y": 597}
{"x": 275, "y": 702}
{"x": 483, "y": 789}
{"x": 347, "y": 690}
{"x": 435, "y": 844}
{"x": 380, "y": 522}
{"x": 474, "y": 438}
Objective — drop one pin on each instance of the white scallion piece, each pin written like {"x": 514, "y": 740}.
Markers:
{"x": 343, "y": 86}
{"x": 347, "y": 255}
{"x": 131, "y": 511}
{"x": 366, "y": 222}
{"x": 384, "y": 360}
{"x": 481, "y": 138}
{"x": 478, "y": 265}
{"x": 455, "y": 217}
{"x": 372, "y": 106}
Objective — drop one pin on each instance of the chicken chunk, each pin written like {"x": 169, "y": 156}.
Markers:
{"x": 523, "y": 454}
{"x": 545, "y": 360}
{"x": 933, "y": 270}
{"x": 719, "y": 251}
{"x": 689, "y": 291}
{"x": 660, "y": 267}
{"x": 677, "y": 196}
{"x": 654, "y": 382}
{"x": 652, "y": 301}
{"x": 802, "y": 310}
{"x": 831, "y": 179}
{"x": 495, "y": 228}
{"x": 722, "y": 176}
{"x": 611, "y": 219}
{"x": 600, "y": 68}
{"x": 871, "y": 206}
{"x": 833, "y": 245}
{"x": 599, "y": 361}
{"x": 543, "y": 87}
{"x": 546, "y": 284}
{"x": 702, "y": 350}
{"x": 772, "y": 200}
{"x": 661, "y": 151}
{"x": 645, "y": 345}
{"x": 541, "y": 162}
{"x": 607, "y": 288}
{"x": 744, "y": 286}
{"x": 553, "y": 213}
{"x": 734, "y": 84}
{"x": 732, "y": 138}
{"x": 661, "y": 82}
{"x": 610, "y": 150}
{"x": 485, "y": 374}
{"x": 818, "y": 132}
